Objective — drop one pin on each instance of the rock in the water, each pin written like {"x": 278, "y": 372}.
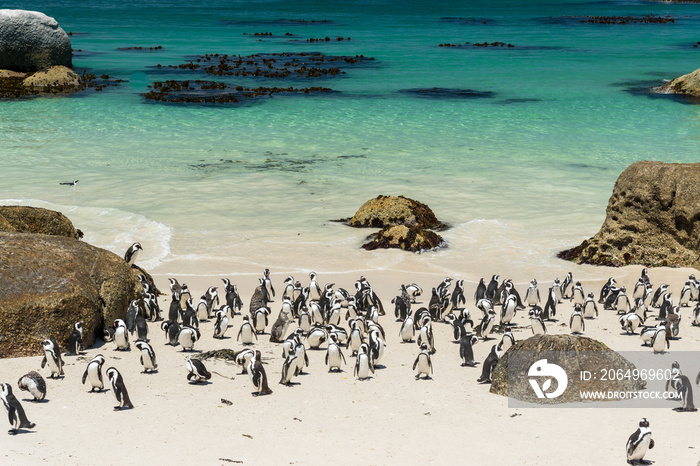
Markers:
{"x": 25, "y": 219}
{"x": 413, "y": 238}
{"x": 47, "y": 283}
{"x": 56, "y": 79}
{"x": 652, "y": 219}
{"x": 384, "y": 211}
{"x": 30, "y": 41}
{"x": 573, "y": 354}
{"x": 688, "y": 84}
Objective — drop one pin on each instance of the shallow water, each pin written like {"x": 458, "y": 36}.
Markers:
{"x": 520, "y": 170}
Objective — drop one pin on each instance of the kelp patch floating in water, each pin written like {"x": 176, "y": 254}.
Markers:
{"x": 273, "y": 65}
{"x": 575, "y": 19}
{"x": 214, "y": 92}
{"x": 471, "y": 21}
{"x": 446, "y": 93}
{"x": 478, "y": 44}
{"x": 276, "y": 22}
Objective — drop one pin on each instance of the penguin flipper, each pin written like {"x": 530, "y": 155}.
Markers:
{"x": 697, "y": 379}
{"x": 11, "y": 413}
{"x": 43, "y": 361}
{"x": 415, "y": 363}
{"x": 342, "y": 356}
{"x": 85, "y": 374}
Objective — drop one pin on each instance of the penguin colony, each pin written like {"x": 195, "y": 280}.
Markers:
{"x": 346, "y": 325}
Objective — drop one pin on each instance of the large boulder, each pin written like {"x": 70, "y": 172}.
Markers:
{"x": 414, "y": 239}
{"x": 25, "y": 219}
{"x": 384, "y": 211}
{"x": 47, "y": 283}
{"x": 688, "y": 84}
{"x": 573, "y": 354}
{"x": 652, "y": 219}
{"x": 30, "y": 41}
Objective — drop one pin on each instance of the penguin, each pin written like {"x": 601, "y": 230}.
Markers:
{"x": 75, "y": 341}
{"x": 121, "y": 335}
{"x": 659, "y": 342}
{"x": 457, "y": 326}
{"x": 435, "y": 305}
{"x": 363, "y": 363}
{"x": 172, "y": 331}
{"x": 480, "y": 292}
{"x": 334, "y": 355}
{"x": 640, "y": 309}
{"x": 457, "y": 298}
{"x": 233, "y": 299}
{"x": 243, "y": 358}
{"x": 259, "y": 298}
{"x": 484, "y": 305}
{"x": 339, "y": 332}
{"x": 492, "y": 288}
{"x": 423, "y": 364}
{"x": 268, "y": 283}
{"x": 622, "y": 302}
{"x": 334, "y": 313}
{"x": 153, "y": 307}
{"x": 486, "y": 325}
{"x": 568, "y": 281}
{"x": 52, "y": 357}
{"x": 576, "y": 322}
{"x": 305, "y": 320}
{"x": 33, "y": 383}
{"x": 550, "y": 308}
{"x": 402, "y": 305}
{"x": 639, "y": 289}
{"x": 685, "y": 391}
{"x": 258, "y": 375}
{"x": 190, "y": 317}
{"x": 221, "y": 324}
{"x": 606, "y": 289}
{"x": 130, "y": 319}
{"x": 426, "y": 334}
{"x": 489, "y": 365}
{"x": 211, "y": 297}
{"x": 465, "y": 318}
{"x": 316, "y": 337}
{"x": 291, "y": 341}
{"x": 185, "y": 294}
{"x": 536, "y": 321}
{"x": 673, "y": 318}
{"x": 316, "y": 313}
{"x": 148, "y": 356}
{"x": 15, "y": 412}
{"x": 289, "y": 367}
{"x": 696, "y": 315}
{"x": 507, "y": 340}
{"x": 590, "y": 309}
{"x": 299, "y": 302}
{"x": 302, "y": 358}
{"x": 174, "y": 286}
{"x": 119, "y": 389}
{"x": 279, "y": 328}
{"x": 197, "y": 371}
{"x": 131, "y": 253}
{"x": 658, "y": 295}
{"x": 639, "y": 442}
{"x": 175, "y": 308}
{"x": 684, "y": 300}
{"x": 247, "y": 332}
{"x": 532, "y": 295}
{"x": 288, "y": 288}
{"x": 314, "y": 288}
{"x": 141, "y": 326}
{"x": 187, "y": 337}
{"x": 413, "y": 291}
{"x": 355, "y": 339}
{"x": 93, "y": 371}
{"x": 577, "y": 294}
{"x": 508, "y": 310}
{"x": 630, "y": 322}
{"x": 466, "y": 350}
{"x": 666, "y": 306}
{"x": 647, "y": 333}
{"x": 202, "y": 312}
{"x": 377, "y": 345}
{"x": 556, "y": 289}
{"x": 69, "y": 183}
{"x": 260, "y": 319}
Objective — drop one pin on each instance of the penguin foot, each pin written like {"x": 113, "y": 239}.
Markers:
{"x": 13, "y": 431}
{"x": 117, "y": 408}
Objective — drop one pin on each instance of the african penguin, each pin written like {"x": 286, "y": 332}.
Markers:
{"x": 121, "y": 335}
{"x": 246, "y": 332}
{"x": 334, "y": 355}
{"x": 466, "y": 350}
{"x": 119, "y": 389}
{"x": 33, "y": 383}
{"x": 93, "y": 371}
{"x": 52, "y": 357}
{"x": 363, "y": 363}
{"x": 75, "y": 341}
{"x": 148, "y": 356}
{"x": 423, "y": 365}
{"x": 197, "y": 371}
{"x": 15, "y": 412}
{"x": 639, "y": 442}
{"x": 131, "y": 253}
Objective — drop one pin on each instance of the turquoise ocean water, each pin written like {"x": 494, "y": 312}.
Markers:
{"x": 520, "y": 172}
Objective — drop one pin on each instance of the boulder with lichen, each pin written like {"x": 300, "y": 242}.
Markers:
{"x": 26, "y": 219}
{"x": 652, "y": 219}
{"x": 49, "y": 282}
{"x": 511, "y": 376}
{"x": 688, "y": 84}
{"x": 384, "y": 211}
{"x": 409, "y": 238}
{"x": 54, "y": 79}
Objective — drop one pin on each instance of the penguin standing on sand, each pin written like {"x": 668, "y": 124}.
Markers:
{"x": 33, "y": 383}
{"x": 119, "y": 389}
{"x": 590, "y": 308}
{"x": 246, "y": 332}
{"x": 334, "y": 356}
{"x": 577, "y": 294}
{"x": 532, "y": 295}
{"x": 536, "y": 321}
{"x": 466, "y": 350}
{"x": 491, "y": 289}
{"x": 131, "y": 253}
{"x": 172, "y": 330}
{"x": 258, "y": 375}
{"x": 148, "y": 356}
{"x": 52, "y": 357}
{"x": 75, "y": 341}
{"x": 480, "y": 292}
{"x": 363, "y": 363}
{"x": 221, "y": 324}
{"x": 197, "y": 371}
{"x": 121, "y": 335}
{"x": 187, "y": 337}
{"x": 279, "y": 328}
{"x": 659, "y": 342}
{"x": 233, "y": 299}
{"x": 212, "y": 298}
{"x": 486, "y": 325}
{"x": 15, "y": 412}
{"x": 550, "y": 308}
{"x": 630, "y": 322}
{"x": 268, "y": 283}
{"x": 141, "y": 326}
{"x": 576, "y": 322}
{"x": 666, "y": 306}
{"x": 423, "y": 364}
{"x": 568, "y": 281}
{"x": 489, "y": 365}
{"x": 93, "y": 371}
{"x": 605, "y": 290}
{"x": 289, "y": 368}
{"x": 658, "y": 295}
{"x": 639, "y": 442}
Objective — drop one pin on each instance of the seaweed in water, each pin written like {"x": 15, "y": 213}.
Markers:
{"x": 446, "y": 93}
